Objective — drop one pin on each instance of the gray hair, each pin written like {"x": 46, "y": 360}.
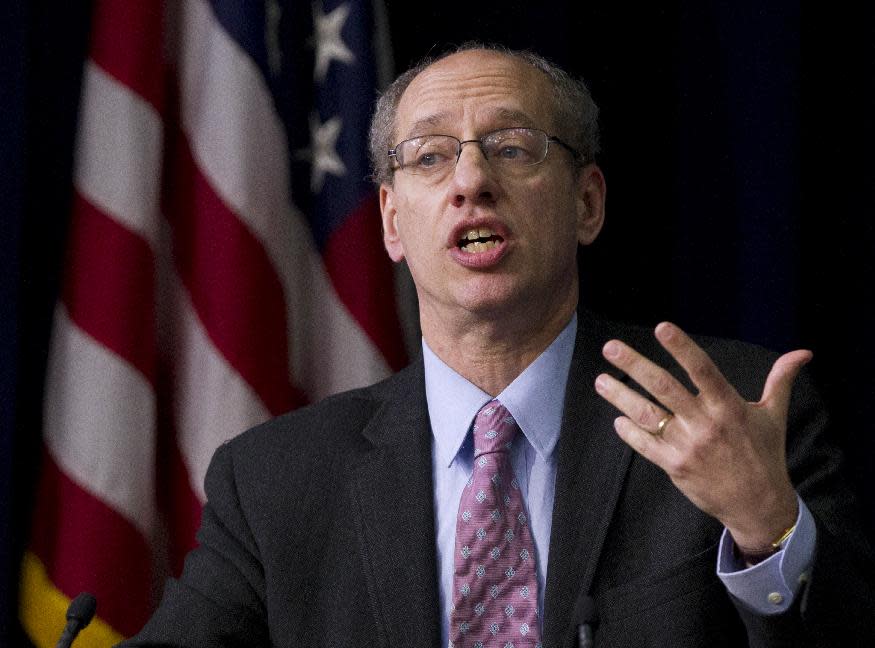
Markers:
{"x": 575, "y": 111}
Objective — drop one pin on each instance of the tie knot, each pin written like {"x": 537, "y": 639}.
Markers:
{"x": 494, "y": 429}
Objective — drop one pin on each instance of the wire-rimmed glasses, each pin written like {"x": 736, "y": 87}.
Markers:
{"x": 506, "y": 149}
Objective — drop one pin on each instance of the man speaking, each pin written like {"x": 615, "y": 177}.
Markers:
{"x": 535, "y": 456}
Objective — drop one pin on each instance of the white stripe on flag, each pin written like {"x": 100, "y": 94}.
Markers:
{"x": 100, "y": 422}
{"x": 118, "y": 153}
{"x": 212, "y": 402}
{"x": 239, "y": 143}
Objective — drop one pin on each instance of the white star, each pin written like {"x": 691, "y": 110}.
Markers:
{"x": 324, "y": 156}
{"x": 329, "y": 43}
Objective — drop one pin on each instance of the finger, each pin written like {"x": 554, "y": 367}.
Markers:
{"x": 779, "y": 384}
{"x": 644, "y": 443}
{"x": 638, "y": 409}
{"x": 656, "y": 380}
{"x": 703, "y": 373}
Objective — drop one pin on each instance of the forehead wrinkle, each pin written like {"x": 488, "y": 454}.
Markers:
{"x": 426, "y": 125}
{"x": 495, "y": 90}
{"x": 500, "y": 117}
{"x": 515, "y": 117}
{"x": 437, "y": 88}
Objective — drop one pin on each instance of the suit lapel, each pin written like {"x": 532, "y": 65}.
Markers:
{"x": 396, "y": 509}
{"x": 592, "y": 465}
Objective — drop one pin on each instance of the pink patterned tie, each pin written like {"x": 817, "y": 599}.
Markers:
{"x": 495, "y": 590}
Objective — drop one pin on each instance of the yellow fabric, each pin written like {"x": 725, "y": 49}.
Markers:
{"x": 43, "y": 611}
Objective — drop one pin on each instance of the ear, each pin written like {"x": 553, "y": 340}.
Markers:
{"x": 389, "y": 214}
{"x": 590, "y": 203}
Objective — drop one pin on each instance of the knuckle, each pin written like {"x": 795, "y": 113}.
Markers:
{"x": 736, "y": 411}
{"x": 648, "y": 416}
{"x": 700, "y": 371}
{"x": 677, "y": 465}
{"x": 711, "y": 431}
{"x": 662, "y": 384}
{"x": 719, "y": 411}
{"x": 699, "y": 451}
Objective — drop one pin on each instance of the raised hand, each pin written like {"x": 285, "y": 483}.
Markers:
{"x": 725, "y": 454}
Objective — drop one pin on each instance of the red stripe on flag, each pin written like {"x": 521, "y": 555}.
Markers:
{"x": 109, "y": 286}
{"x": 126, "y": 41}
{"x": 86, "y": 546}
{"x": 232, "y": 282}
{"x": 361, "y": 273}
{"x": 179, "y": 506}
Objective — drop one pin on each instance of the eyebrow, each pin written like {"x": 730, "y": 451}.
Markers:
{"x": 425, "y": 125}
{"x": 505, "y": 117}
{"x": 514, "y": 117}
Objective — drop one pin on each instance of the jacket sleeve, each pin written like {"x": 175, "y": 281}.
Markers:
{"x": 219, "y": 598}
{"x": 833, "y": 606}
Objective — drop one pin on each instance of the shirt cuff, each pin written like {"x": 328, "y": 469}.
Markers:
{"x": 770, "y": 586}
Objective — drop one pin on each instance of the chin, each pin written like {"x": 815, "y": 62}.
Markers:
{"x": 494, "y": 302}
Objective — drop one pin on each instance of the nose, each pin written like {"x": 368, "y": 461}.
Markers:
{"x": 473, "y": 178}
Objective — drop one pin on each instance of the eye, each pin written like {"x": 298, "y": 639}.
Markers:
{"x": 515, "y": 152}
{"x": 431, "y": 153}
{"x": 510, "y": 152}
{"x": 429, "y": 159}
{"x": 512, "y": 146}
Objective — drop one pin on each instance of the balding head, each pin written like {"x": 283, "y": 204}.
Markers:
{"x": 574, "y": 113}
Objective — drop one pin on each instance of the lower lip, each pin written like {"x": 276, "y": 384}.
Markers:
{"x": 485, "y": 259}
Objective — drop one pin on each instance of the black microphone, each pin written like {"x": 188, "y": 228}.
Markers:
{"x": 587, "y": 616}
{"x": 79, "y": 615}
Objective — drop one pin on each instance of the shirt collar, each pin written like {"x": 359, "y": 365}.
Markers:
{"x": 535, "y": 398}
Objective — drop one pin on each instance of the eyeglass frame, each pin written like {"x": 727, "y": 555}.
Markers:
{"x": 578, "y": 158}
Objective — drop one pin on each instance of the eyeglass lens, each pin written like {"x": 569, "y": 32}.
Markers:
{"x": 507, "y": 148}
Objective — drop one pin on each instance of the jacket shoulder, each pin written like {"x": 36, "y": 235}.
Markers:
{"x": 333, "y": 423}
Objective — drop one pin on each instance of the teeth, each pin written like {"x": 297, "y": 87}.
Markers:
{"x": 475, "y": 233}
{"x": 472, "y": 240}
{"x": 477, "y": 247}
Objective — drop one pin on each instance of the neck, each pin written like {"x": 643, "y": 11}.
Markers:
{"x": 491, "y": 352}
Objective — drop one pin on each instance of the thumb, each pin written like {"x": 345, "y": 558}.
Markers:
{"x": 779, "y": 384}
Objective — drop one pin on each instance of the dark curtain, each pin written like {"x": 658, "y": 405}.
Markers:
{"x": 737, "y": 141}
{"x": 11, "y": 194}
{"x": 42, "y": 46}
{"x": 737, "y": 144}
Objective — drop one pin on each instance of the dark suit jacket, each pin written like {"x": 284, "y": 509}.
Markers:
{"x": 319, "y": 529}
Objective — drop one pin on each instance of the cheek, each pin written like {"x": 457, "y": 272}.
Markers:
{"x": 416, "y": 219}
{"x": 549, "y": 206}
{"x": 551, "y": 221}
{"x": 415, "y": 204}
{"x": 415, "y": 232}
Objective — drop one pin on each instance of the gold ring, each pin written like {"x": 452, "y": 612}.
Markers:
{"x": 660, "y": 427}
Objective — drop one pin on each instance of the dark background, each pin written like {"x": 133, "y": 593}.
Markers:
{"x": 737, "y": 144}
{"x": 738, "y": 148}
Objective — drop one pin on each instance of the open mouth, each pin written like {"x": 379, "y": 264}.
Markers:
{"x": 478, "y": 239}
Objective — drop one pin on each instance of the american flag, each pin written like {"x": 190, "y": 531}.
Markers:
{"x": 224, "y": 265}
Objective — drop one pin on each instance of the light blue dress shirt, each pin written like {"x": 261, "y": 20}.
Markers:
{"x": 535, "y": 399}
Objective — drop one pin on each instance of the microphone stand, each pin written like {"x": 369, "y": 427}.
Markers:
{"x": 79, "y": 615}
